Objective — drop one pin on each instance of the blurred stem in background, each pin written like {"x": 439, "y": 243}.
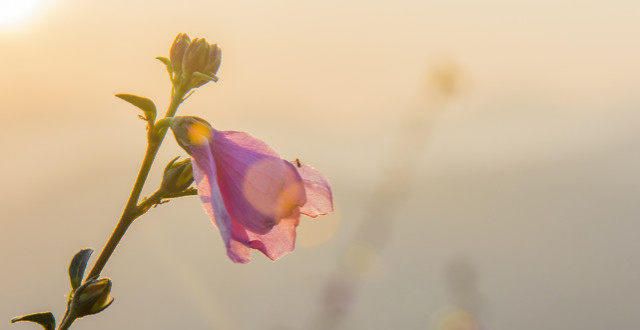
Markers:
{"x": 465, "y": 298}
{"x": 375, "y": 229}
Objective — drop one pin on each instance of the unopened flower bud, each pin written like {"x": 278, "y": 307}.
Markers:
{"x": 178, "y": 49}
{"x": 214, "y": 60}
{"x": 193, "y": 62}
{"x": 178, "y": 176}
{"x": 195, "y": 57}
{"x": 92, "y": 297}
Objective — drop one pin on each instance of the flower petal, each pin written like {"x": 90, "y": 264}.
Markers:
{"x": 205, "y": 176}
{"x": 317, "y": 189}
{"x": 279, "y": 241}
{"x": 259, "y": 188}
{"x": 253, "y": 196}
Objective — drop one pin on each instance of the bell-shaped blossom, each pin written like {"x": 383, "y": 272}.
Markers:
{"x": 252, "y": 195}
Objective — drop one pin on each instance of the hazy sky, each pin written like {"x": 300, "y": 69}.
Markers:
{"x": 528, "y": 181}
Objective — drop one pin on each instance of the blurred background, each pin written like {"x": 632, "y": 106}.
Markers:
{"x": 483, "y": 156}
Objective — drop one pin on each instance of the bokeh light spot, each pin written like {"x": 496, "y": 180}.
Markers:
{"x": 457, "y": 319}
{"x": 360, "y": 258}
{"x": 271, "y": 188}
{"x": 319, "y": 231}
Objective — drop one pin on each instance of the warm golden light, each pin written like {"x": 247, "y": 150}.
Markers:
{"x": 199, "y": 134}
{"x": 16, "y": 11}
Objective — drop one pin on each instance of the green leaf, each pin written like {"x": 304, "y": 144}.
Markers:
{"x": 142, "y": 103}
{"x": 167, "y": 63}
{"x": 77, "y": 267}
{"x": 164, "y": 60}
{"x": 45, "y": 319}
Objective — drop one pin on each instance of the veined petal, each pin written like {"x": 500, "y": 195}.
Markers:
{"x": 279, "y": 241}
{"x": 253, "y": 196}
{"x": 317, "y": 189}
{"x": 205, "y": 176}
{"x": 259, "y": 188}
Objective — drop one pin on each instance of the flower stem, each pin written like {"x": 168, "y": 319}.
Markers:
{"x": 66, "y": 321}
{"x": 127, "y": 215}
{"x": 131, "y": 210}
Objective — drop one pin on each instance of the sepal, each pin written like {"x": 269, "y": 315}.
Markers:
{"x": 78, "y": 266}
{"x": 143, "y": 104}
{"x": 167, "y": 63}
{"x": 200, "y": 79}
{"x": 45, "y": 319}
{"x": 90, "y": 298}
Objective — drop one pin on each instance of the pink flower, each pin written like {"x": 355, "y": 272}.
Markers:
{"x": 253, "y": 196}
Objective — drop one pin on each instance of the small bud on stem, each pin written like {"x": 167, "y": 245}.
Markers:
{"x": 191, "y": 64}
{"x": 178, "y": 176}
{"x": 91, "y": 298}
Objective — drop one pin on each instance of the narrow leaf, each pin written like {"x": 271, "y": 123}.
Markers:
{"x": 167, "y": 63}
{"x": 164, "y": 60}
{"x": 143, "y": 103}
{"x": 77, "y": 267}
{"x": 45, "y": 319}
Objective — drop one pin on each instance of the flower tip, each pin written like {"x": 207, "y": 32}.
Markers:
{"x": 178, "y": 49}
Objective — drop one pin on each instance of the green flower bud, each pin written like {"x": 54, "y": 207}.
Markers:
{"x": 178, "y": 49}
{"x": 178, "y": 176}
{"x": 193, "y": 62}
{"x": 92, "y": 297}
{"x": 195, "y": 57}
{"x": 214, "y": 60}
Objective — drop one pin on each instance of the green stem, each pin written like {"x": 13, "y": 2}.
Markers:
{"x": 131, "y": 210}
{"x": 66, "y": 321}
{"x": 157, "y": 198}
{"x": 149, "y": 202}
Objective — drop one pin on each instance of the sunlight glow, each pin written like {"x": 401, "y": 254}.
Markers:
{"x": 16, "y": 11}
{"x": 316, "y": 233}
{"x": 198, "y": 134}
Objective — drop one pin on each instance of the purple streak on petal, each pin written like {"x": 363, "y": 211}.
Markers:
{"x": 205, "y": 174}
{"x": 252, "y": 195}
{"x": 258, "y": 187}
{"x": 318, "y": 191}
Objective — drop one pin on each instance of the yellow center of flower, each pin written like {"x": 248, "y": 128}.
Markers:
{"x": 199, "y": 133}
